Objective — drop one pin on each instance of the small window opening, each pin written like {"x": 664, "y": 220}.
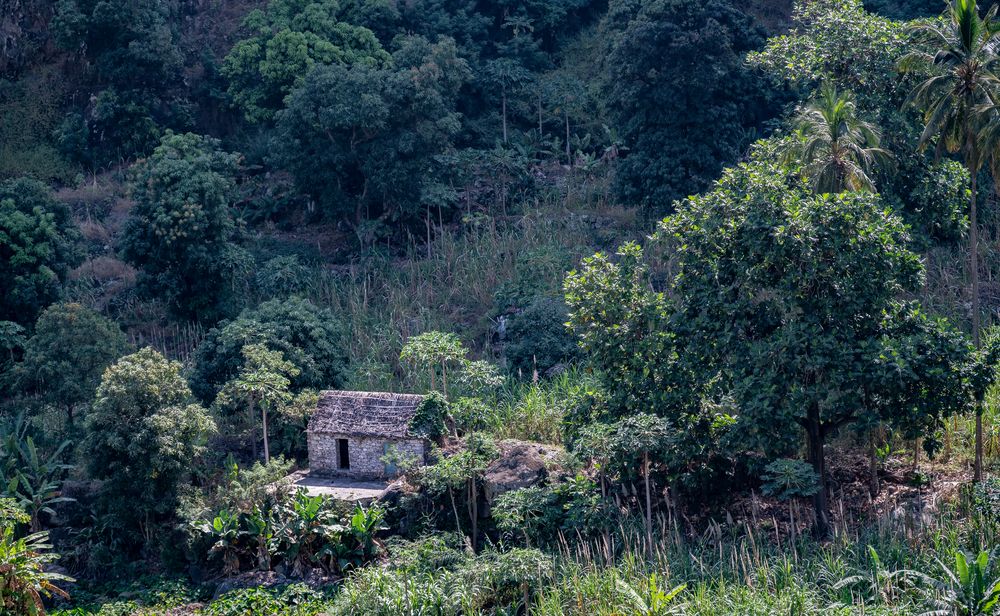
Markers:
{"x": 343, "y": 455}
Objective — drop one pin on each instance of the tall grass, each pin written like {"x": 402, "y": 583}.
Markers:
{"x": 725, "y": 571}
{"x": 460, "y": 286}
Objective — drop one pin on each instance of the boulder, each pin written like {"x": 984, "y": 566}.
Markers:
{"x": 520, "y": 465}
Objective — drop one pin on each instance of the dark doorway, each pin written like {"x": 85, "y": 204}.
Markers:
{"x": 343, "y": 455}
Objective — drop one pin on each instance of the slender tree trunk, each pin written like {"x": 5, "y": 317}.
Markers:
{"x": 539, "y": 116}
{"x": 814, "y": 435}
{"x": 454, "y": 509}
{"x": 253, "y": 429}
{"x": 569, "y": 154}
{"x": 444, "y": 379}
{"x": 977, "y": 474}
{"x": 503, "y": 103}
{"x": 649, "y": 506}
{"x": 474, "y": 510}
{"x": 873, "y": 483}
{"x": 267, "y": 448}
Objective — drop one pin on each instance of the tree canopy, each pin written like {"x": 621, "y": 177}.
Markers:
{"x": 290, "y": 38}
{"x": 181, "y": 231}
{"x": 142, "y": 434}
{"x": 38, "y": 246}
{"x": 309, "y": 337}
{"x": 69, "y": 351}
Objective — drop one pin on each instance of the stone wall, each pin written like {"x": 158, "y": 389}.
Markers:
{"x": 365, "y": 454}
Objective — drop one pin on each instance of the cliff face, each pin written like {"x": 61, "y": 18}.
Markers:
{"x": 23, "y": 32}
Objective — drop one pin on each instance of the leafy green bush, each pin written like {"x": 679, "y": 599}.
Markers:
{"x": 283, "y": 276}
{"x": 429, "y": 418}
{"x": 181, "y": 231}
{"x": 311, "y": 338}
{"x": 38, "y": 246}
{"x": 291, "y": 600}
{"x": 986, "y": 498}
{"x": 787, "y": 479}
{"x": 24, "y": 575}
{"x": 537, "y": 338}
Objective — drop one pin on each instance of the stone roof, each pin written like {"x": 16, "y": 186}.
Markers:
{"x": 363, "y": 413}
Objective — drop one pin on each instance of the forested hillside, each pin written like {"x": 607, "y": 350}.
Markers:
{"x": 699, "y": 298}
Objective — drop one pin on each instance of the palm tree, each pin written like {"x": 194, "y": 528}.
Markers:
{"x": 836, "y": 149}
{"x": 960, "y": 54}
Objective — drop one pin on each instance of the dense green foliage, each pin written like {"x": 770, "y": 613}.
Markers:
{"x": 66, "y": 356}
{"x": 130, "y": 52}
{"x": 181, "y": 230}
{"x": 365, "y": 141}
{"x": 289, "y": 38}
{"x": 37, "y": 247}
{"x": 653, "y": 95}
{"x": 142, "y": 434}
{"x": 309, "y": 337}
{"x": 624, "y": 413}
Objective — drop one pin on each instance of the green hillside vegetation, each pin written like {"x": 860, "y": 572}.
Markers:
{"x": 702, "y": 297}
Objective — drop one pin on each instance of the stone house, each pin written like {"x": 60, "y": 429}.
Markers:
{"x": 351, "y": 432}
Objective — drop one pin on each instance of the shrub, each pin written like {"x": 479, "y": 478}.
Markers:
{"x": 429, "y": 418}
{"x": 38, "y": 246}
{"x": 292, "y": 600}
{"x": 537, "y": 337}
{"x": 180, "y": 232}
{"x": 311, "y": 338}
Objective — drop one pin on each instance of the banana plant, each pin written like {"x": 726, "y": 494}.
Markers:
{"x": 225, "y": 528}
{"x": 33, "y": 479}
{"x": 650, "y": 599}
{"x": 24, "y": 580}
{"x": 365, "y": 523}
{"x": 971, "y": 588}
{"x": 260, "y": 529}
{"x": 307, "y": 526}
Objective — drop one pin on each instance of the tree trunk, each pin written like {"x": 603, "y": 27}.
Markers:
{"x": 539, "y": 117}
{"x": 503, "y": 99}
{"x": 569, "y": 154}
{"x": 814, "y": 435}
{"x": 873, "y": 483}
{"x": 444, "y": 379}
{"x": 649, "y": 509}
{"x": 977, "y": 474}
{"x": 454, "y": 509}
{"x": 428, "y": 222}
{"x": 267, "y": 448}
{"x": 253, "y": 429}
{"x": 474, "y": 510}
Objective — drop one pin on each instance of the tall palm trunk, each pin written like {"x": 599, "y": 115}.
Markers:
{"x": 977, "y": 474}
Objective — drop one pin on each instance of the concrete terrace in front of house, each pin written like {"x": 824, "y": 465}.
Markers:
{"x": 339, "y": 488}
